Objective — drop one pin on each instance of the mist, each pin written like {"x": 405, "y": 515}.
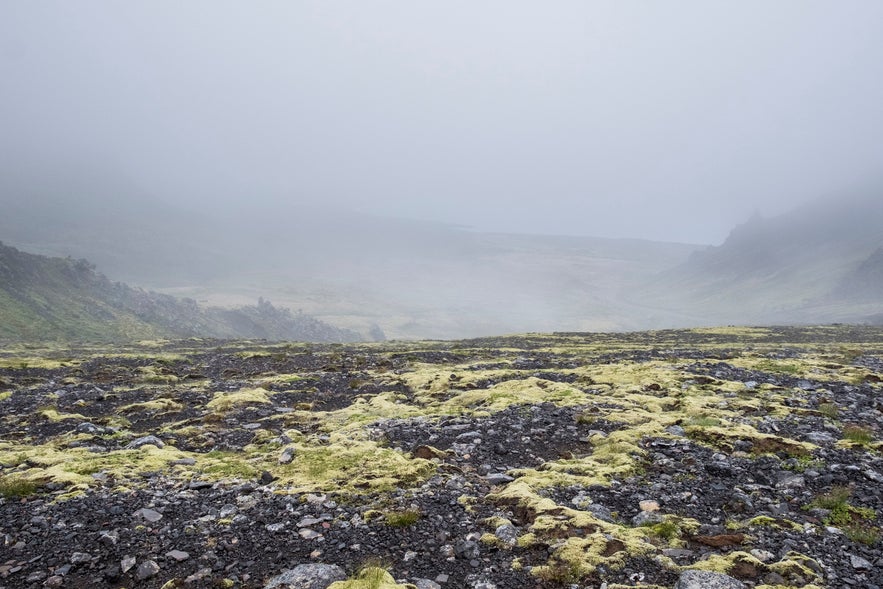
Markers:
{"x": 443, "y": 170}
{"x": 607, "y": 119}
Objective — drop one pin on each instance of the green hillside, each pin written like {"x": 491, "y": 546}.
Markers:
{"x": 46, "y": 298}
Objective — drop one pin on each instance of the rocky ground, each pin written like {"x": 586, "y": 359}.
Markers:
{"x": 565, "y": 460}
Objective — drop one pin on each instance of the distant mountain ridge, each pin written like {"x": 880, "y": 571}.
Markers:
{"x": 820, "y": 263}
{"x": 50, "y": 298}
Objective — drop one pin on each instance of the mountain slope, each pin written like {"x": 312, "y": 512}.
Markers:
{"x": 815, "y": 264}
{"x": 45, "y": 298}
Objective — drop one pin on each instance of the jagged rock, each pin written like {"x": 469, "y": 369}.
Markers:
{"x": 307, "y": 576}
{"x": 146, "y": 569}
{"x": 150, "y": 515}
{"x": 707, "y": 580}
{"x": 507, "y": 533}
{"x": 498, "y": 479}
{"x": 144, "y": 441}
{"x": 859, "y": 563}
{"x": 286, "y": 456}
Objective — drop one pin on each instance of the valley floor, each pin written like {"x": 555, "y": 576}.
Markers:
{"x": 542, "y": 460}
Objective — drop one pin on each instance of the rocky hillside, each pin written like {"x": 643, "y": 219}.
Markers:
{"x": 44, "y": 298}
{"x": 727, "y": 458}
{"x": 816, "y": 264}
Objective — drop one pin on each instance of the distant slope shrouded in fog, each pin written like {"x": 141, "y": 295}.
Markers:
{"x": 820, "y": 263}
{"x": 46, "y": 298}
{"x": 413, "y": 279}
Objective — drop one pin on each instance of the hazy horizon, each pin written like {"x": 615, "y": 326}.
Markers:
{"x": 608, "y": 119}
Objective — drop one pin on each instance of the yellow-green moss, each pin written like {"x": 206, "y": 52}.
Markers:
{"x": 52, "y": 414}
{"x": 223, "y": 401}
{"x": 371, "y": 578}
{"x": 161, "y": 405}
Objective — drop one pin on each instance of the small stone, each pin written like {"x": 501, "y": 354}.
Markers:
{"x": 178, "y": 555}
{"x": 409, "y": 556}
{"x": 442, "y": 578}
{"x": 145, "y": 441}
{"x": 467, "y": 550}
{"x": 183, "y": 462}
{"x": 150, "y": 515}
{"x": 860, "y": 563}
{"x": 677, "y": 553}
{"x": 273, "y": 528}
{"x": 127, "y": 563}
{"x": 649, "y": 505}
{"x": 873, "y": 475}
{"x": 647, "y": 518}
{"x": 80, "y": 557}
{"x": 508, "y": 534}
{"x": 498, "y": 478}
{"x": 763, "y": 555}
{"x": 199, "y": 485}
{"x": 287, "y": 455}
{"x": 428, "y": 453}
{"x": 266, "y": 477}
{"x": 426, "y": 584}
{"x": 820, "y": 438}
{"x": 791, "y": 482}
{"x": 600, "y": 511}
{"x": 146, "y": 569}
{"x": 89, "y": 428}
{"x": 308, "y": 534}
{"x": 676, "y": 430}
{"x": 54, "y": 581}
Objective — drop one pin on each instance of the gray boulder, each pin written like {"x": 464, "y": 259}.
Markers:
{"x": 707, "y": 580}
{"x": 307, "y": 576}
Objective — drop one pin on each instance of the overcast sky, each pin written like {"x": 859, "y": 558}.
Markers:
{"x": 665, "y": 120}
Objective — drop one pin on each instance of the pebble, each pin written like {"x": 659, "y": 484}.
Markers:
{"x": 127, "y": 563}
{"x": 150, "y": 515}
{"x": 178, "y": 555}
{"x": 308, "y": 534}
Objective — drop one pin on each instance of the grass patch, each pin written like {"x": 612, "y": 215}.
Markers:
{"x": 829, "y": 410}
{"x": 854, "y": 521}
{"x": 778, "y": 367}
{"x": 703, "y": 421}
{"x": 858, "y": 434}
{"x": 14, "y": 487}
{"x": 226, "y": 401}
{"x": 402, "y": 519}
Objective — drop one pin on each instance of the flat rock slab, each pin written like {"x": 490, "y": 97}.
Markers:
{"x": 307, "y": 576}
{"x": 707, "y": 580}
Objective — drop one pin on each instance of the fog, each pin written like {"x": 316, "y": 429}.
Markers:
{"x": 618, "y": 119}
{"x": 452, "y": 169}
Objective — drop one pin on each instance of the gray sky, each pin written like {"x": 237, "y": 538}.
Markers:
{"x": 664, "y": 120}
